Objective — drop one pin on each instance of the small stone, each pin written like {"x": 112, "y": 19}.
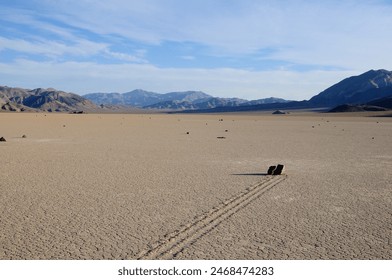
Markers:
{"x": 221, "y": 137}
{"x": 2, "y": 139}
{"x": 278, "y": 112}
{"x": 24, "y": 136}
{"x": 187, "y": 132}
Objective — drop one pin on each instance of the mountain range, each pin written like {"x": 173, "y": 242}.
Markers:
{"x": 373, "y": 85}
{"x": 364, "y": 88}
{"x": 141, "y": 98}
{"x": 190, "y": 100}
{"x": 372, "y": 88}
{"x": 382, "y": 104}
{"x": 49, "y": 100}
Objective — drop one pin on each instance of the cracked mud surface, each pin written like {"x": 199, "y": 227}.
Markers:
{"x": 138, "y": 186}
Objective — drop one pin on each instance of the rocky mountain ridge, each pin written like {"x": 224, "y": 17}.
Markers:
{"x": 141, "y": 98}
{"x": 363, "y": 88}
{"x": 382, "y": 104}
{"x": 40, "y": 99}
{"x": 187, "y": 100}
{"x": 356, "y": 90}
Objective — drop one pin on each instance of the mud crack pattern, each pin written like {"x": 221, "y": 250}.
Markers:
{"x": 177, "y": 241}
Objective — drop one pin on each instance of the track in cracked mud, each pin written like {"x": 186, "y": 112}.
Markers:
{"x": 178, "y": 240}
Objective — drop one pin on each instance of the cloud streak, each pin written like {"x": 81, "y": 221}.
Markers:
{"x": 52, "y": 48}
{"x": 93, "y": 77}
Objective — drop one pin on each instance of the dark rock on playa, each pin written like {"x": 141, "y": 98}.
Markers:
{"x": 271, "y": 170}
{"x": 279, "y": 169}
{"x": 2, "y": 139}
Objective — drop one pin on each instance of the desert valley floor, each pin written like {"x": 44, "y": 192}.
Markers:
{"x": 139, "y": 186}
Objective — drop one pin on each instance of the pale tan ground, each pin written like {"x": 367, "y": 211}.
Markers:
{"x": 126, "y": 186}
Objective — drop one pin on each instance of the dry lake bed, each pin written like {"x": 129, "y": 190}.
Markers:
{"x": 158, "y": 186}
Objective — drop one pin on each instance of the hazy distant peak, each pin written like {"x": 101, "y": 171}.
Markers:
{"x": 142, "y": 98}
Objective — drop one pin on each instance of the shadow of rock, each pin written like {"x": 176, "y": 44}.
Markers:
{"x": 250, "y": 174}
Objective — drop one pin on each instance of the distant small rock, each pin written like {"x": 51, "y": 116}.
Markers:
{"x": 24, "y": 136}
{"x": 221, "y": 137}
{"x": 278, "y": 112}
{"x": 2, "y": 139}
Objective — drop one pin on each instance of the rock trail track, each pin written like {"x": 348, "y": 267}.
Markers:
{"x": 178, "y": 240}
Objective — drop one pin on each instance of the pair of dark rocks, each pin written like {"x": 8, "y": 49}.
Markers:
{"x": 275, "y": 169}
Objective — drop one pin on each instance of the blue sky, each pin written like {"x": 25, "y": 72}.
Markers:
{"x": 246, "y": 48}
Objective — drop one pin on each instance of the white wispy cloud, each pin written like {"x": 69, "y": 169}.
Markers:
{"x": 79, "y": 48}
{"x": 188, "y": 57}
{"x": 138, "y": 58}
{"x": 53, "y": 41}
{"x": 85, "y": 77}
{"x": 52, "y": 48}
